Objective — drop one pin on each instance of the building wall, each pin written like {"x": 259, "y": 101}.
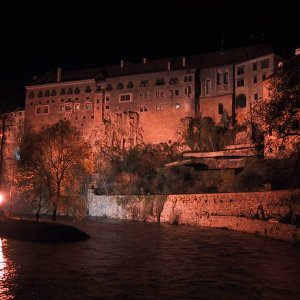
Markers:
{"x": 156, "y": 108}
{"x": 75, "y": 101}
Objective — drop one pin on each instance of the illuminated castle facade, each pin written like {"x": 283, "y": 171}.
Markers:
{"x": 151, "y": 101}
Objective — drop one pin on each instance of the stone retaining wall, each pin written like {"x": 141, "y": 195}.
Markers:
{"x": 236, "y": 211}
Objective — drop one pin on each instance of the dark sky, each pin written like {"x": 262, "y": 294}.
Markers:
{"x": 38, "y": 38}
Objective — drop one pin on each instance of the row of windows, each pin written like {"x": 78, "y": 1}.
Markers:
{"x": 146, "y": 83}
{"x": 264, "y": 64}
{"x": 65, "y": 100}
{"x": 68, "y": 91}
{"x": 67, "y": 107}
{"x": 240, "y": 82}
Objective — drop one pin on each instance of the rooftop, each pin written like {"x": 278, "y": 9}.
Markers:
{"x": 204, "y": 60}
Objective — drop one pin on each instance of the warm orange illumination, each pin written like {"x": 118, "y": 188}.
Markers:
{"x": 1, "y": 198}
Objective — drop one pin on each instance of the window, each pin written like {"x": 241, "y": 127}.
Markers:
{"x": 125, "y": 97}
{"x": 144, "y": 83}
{"x": 77, "y": 90}
{"x": 40, "y": 94}
{"x": 88, "y": 105}
{"x": 219, "y": 78}
{"x": 159, "y": 107}
{"x": 93, "y": 117}
{"x": 254, "y": 66}
{"x": 188, "y": 78}
{"x": 160, "y": 81}
{"x": 281, "y": 148}
{"x": 240, "y": 101}
{"x": 264, "y": 77}
{"x": 220, "y": 108}
{"x": 70, "y": 91}
{"x": 240, "y": 70}
{"x": 143, "y": 95}
{"x": 174, "y": 80}
{"x": 47, "y": 94}
{"x": 109, "y": 87}
{"x": 62, "y": 92}
{"x": 68, "y": 107}
{"x": 187, "y": 90}
{"x": 240, "y": 83}
{"x": 264, "y": 64}
{"x": 120, "y": 86}
{"x": 98, "y": 88}
{"x": 255, "y": 96}
{"x": 159, "y": 94}
{"x": 77, "y": 106}
{"x": 53, "y": 93}
{"x": 255, "y": 79}
{"x": 225, "y": 78}
{"x": 88, "y": 89}
{"x": 31, "y": 95}
{"x": 53, "y": 101}
{"x": 176, "y": 92}
{"x": 207, "y": 87}
{"x": 177, "y": 105}
{"x": 130, "y": 85}
{"x": 61, "y": 108}
{"x": 107, "y": 98}
{"x": 42, "y": 110}
{"x": 107, "y": 107}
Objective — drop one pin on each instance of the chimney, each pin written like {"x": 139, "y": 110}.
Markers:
{"x": 122, "y": 64}
{"x": 169, "y": 65}
{"x": 144, "y": 60}
{"x": 58, "y": 74}
{"x": 183, "y": 61}
{"x": 297, "y": 51}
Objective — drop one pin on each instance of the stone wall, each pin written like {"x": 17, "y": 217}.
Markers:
{"x": 245, "y": 212}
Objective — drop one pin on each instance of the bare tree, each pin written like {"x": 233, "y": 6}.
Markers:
{"x": 60, "y": 160}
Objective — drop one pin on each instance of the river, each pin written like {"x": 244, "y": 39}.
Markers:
{"x": 132, "y": 260}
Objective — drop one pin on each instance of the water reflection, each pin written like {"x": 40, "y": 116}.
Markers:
{"x": 7, "y": 273}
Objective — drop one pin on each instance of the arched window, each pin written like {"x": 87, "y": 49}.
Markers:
{"x": 240, "y": 101}
{"x": 207, "y": 87}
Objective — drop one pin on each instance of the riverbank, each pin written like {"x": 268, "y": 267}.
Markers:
{"x": 43, "y": 232}
{"x": 260, "y": 213}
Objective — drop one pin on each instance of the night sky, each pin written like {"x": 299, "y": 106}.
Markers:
{"x": 36, "y": 39}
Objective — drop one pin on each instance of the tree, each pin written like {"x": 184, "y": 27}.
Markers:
{"x": 59, "y": 160}
{"x": 279, "y": 111}
{"x": 204, "y": 135}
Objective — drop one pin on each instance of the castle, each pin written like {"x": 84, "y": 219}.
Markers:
{"x": 151, "y": 101}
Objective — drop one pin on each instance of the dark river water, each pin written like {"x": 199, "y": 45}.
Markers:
{"x": 131, "y": 260}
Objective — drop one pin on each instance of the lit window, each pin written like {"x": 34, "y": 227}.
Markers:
{"x": 125, "y": 97}
{"x": 177, "y": 106}
{"x": 159, "y": 107}
{"x": 42, "y": 110}
{"x": 88, "y": 106}
{"x": 77, "y": 106}
{"x": 61, "y": 108}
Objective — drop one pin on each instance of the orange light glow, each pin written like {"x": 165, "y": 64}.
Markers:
{"x": 1, "y": 198}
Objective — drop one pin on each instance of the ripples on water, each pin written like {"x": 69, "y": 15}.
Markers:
{"x": 130, "y": 260}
